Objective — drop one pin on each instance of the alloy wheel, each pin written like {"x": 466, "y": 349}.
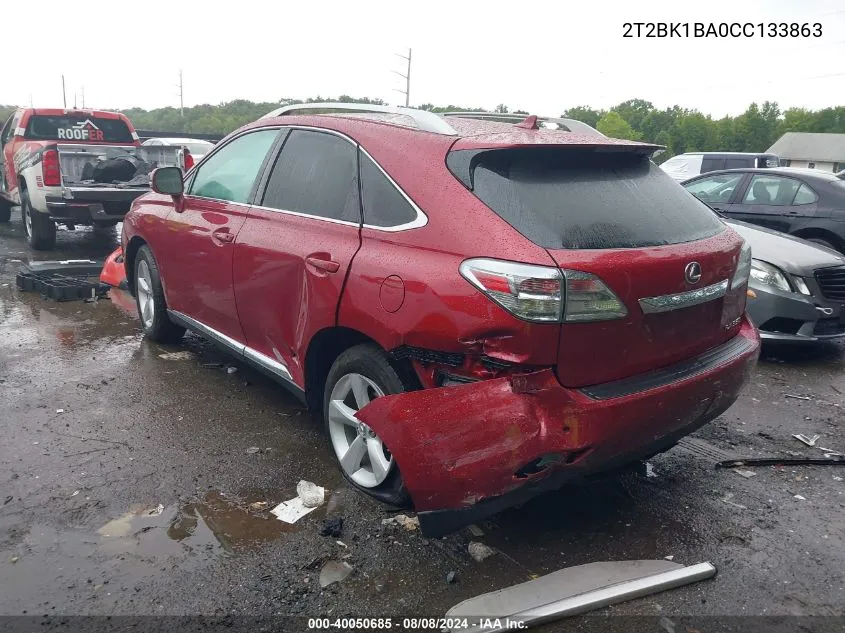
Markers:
{"x": 146, "y": 300}
{"x": 361, "y": 453}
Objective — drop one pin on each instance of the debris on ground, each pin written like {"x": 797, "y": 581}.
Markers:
{"x": 835, "y": 478}
{"x": 252, "y": 450}
{"x": 231, "y": 370}
{"x": 670, "y": 557}
{"x": 789, "y": 395}
{"x": 829, "y": 459}
{"x": 154, "y": 512}
{"x": 60, "y": 410}
{"x": 292, "y": 510}
{"x": 649, "y": 470}
{"x": 259, "y": 505}
{"x": 748, "y": 474}
{"x": 575, "y": 590}
{"x": 334, "y": 571}
{"x": 13, "y": 560}
{"x": 181, "y": 355}
{"x": 480, "y": 551}
{"x": 475, "y": 530}
{"x": 451, "y": 577}
{"x": 805, "y": 439}
{"x": 799, "y": 497}
{"x": 402, "y": 520}
{"x": 332, "y": 527}
{"x": 727, "y": 499}
{"x": 311, "y": 494}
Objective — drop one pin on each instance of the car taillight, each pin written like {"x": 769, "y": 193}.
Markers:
{"x": 189, "y": 160}
{"x": 542, "y": 293}
{"x": 589, "y": 299}
{"x": 733, "y": 306}
{"x": 50, "y": 170}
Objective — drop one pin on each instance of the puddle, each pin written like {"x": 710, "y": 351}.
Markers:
{"x": 217, "y": 522}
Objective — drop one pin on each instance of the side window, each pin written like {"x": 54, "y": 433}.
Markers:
{"x": 718, "y": 188}
{"x": 384, "y": 204}
{"x": 9, "y": 129}
{"x": 805, "y": 195}
{"x": 317, "y": 174}
{"x": 771, "y": 190}
{"x": 738, "y": 163}
{"x": 231, "y": 172}
{"x": 712, "y": 163}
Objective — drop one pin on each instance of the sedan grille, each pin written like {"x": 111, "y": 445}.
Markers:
{"x": 832, "y": 282}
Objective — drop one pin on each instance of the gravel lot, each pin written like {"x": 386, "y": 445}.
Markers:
{"x": 100, "y": 430}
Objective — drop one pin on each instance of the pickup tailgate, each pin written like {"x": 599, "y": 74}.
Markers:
{"x": 114, "y": 165}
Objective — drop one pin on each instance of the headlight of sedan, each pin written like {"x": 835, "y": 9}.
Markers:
{"x": 768, "y": 275}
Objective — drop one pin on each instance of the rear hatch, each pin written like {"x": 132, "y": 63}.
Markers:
{"x": 611, "y": 213}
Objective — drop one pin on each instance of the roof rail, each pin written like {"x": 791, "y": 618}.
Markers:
{"x": 572, "y": 125}
{"x": 424, "y": 120}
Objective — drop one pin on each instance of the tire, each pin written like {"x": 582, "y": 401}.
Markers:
{"x": 364, "y": 366}
{"x": 40, "y": 228}
{"x": 5, "y": 212}
{"x": 149, "y": 299}
{"x": 821, "y": 242}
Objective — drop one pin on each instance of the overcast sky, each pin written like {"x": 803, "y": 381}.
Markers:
{"x": 539, "y": 56}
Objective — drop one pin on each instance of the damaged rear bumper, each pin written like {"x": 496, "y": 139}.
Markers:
{"x": 471, "y": 450}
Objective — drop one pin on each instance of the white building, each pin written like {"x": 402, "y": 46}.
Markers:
{"x": 810, "y": 149}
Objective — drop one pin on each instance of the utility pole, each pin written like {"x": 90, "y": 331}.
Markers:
{"x": 406, "y": 77}
{"x": 64, "y": 94}
{"x": 181, "y": 96}
{"x": 83, "y": 97}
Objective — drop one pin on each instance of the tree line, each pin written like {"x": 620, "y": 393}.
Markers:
{"x": 678, "y": 129}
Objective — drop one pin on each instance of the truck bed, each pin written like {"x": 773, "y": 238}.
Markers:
{"x": 114, "y": 165}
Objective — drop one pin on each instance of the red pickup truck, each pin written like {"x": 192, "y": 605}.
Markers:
{"x": 73, "y": 167}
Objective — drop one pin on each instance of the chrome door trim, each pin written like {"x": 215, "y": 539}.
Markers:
{"x": 277, "y": 367}
{"x": 274, "y": 366}
{"x": 666, "y": 303}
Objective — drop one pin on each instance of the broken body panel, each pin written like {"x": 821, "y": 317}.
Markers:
{"x": 465, "y": 450}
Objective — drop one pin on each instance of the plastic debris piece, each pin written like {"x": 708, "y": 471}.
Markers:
{"x": 181, "y": 355}
{"x": 805, "y": 439}
{"x": 259, "y": 505}
{"x": 311, "y": 494}
{"x": 74, "y": 493}
{"x": 748, "y": 474}
{"x": 480, "y": 551}
{"x": 60, "y": 410}
{"x": 292, "y": 510}
{"x": 475, "y": 530}
{"x": 252, "y": 450}
{"x": 231, "y": 370}
{"x": 800, "y": 498}
{"x": 334, "y": 571}
{"x": 451, "y": 577}
{"x": 649, "y": 470}
{"x": 789, "y": 395}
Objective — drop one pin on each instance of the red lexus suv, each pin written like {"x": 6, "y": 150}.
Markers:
{"x": 479, "y": 310}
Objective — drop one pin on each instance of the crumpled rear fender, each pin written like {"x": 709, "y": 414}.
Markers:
{"x": 445, "y": 439}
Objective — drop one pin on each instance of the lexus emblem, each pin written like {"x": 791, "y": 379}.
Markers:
{"x": 692, "y": 273}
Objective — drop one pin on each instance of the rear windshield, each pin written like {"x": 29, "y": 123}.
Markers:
{"x": 77, "y": 129}
{"x": 584, "y": 199}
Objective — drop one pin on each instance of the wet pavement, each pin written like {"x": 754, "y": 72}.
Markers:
{"x": 128, "y": 487}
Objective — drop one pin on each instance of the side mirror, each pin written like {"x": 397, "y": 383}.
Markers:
{"x": 168, "y": 181}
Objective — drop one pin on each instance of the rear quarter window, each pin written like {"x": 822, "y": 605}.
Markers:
{"x": 77, "y": 129}
{"x": 577, "y": 199}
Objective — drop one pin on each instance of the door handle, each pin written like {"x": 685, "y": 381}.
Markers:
{"x": 320, "y": 263}
{"x": 222, "y": 235}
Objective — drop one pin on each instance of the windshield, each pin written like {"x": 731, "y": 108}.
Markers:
{"x": 587, "y": 200}
{"x": 78, "y": 129}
